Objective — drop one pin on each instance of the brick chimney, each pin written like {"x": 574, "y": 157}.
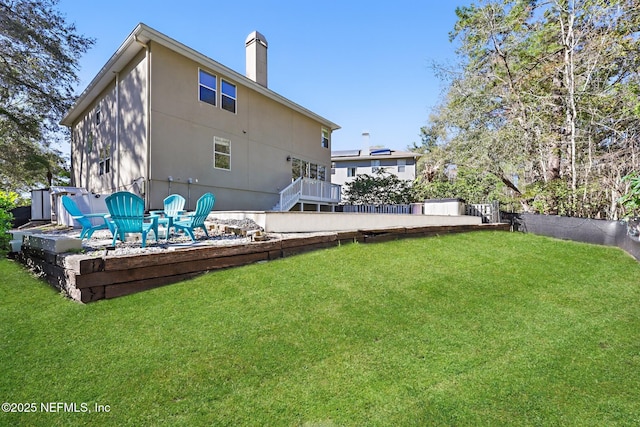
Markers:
{"x": 256, "y": 51}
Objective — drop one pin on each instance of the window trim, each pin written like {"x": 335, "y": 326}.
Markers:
{"x": 222, "y": 95}
{"x": 306, "y": 169}
{"x": 104, "y": 161}
{"x": 221, "y": 141}
{"x": 325, "y": 140}
{"x": 202, "y": 85}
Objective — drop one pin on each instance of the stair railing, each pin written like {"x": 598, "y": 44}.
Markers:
{"x": 290, "y": 195}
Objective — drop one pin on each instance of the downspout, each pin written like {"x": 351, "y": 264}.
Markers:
{"x": 117, "y": 150}
{"x": 147, "y": 181}
{"x": 147, "y": 190}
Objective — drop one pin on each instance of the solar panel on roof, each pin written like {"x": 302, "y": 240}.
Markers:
{"x": 345, "y": 153}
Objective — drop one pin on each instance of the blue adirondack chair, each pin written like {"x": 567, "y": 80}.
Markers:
{"x": 85, "y": 219}
{"x": 173, "y": 209}
{"x": 127, "y": 214}
{"x": 196, "y": 219}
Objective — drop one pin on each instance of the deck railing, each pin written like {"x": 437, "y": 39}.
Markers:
{"x": 308, "y": 189}
{"x": 321, "y": 191}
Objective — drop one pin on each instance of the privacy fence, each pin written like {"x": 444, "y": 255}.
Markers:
{"x": 623, "y": 234}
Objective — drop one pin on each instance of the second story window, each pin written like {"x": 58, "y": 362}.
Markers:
{"x": 98, "y": 116}
{"x": 325, "y": 138}
{"x": 375, "y": 166}
{"x": 208, "y": 85}
{"x": 228, "y": 96}
{"x": 401, "y": 165}
{"x": 352, "y": 172}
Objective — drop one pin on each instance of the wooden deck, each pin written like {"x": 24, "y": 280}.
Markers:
{"x": 88, "y": 278}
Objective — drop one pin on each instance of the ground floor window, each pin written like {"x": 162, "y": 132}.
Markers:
{"x": 104, "y": 163}
{"x": 221, "y": 153}
{"x": 322, "y": 173}
{"x": 304, "y": 169}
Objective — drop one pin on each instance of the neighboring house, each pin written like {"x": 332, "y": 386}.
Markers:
{"x": 346, "y": 165}
{"x": 161, "y": 118}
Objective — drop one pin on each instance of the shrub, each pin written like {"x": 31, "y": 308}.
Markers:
{"x": 631, "y": 200}
{"x": 383, "y": 188}
{"x": 470, "y": 185}
{"x": 8, "y": 201}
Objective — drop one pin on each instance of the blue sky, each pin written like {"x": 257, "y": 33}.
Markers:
{"x": 364, "y": 65}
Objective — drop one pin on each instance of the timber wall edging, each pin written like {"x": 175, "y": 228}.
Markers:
{"x": 90, "y": 278}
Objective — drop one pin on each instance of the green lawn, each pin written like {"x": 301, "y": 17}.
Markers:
{"x": 487, "y": 328}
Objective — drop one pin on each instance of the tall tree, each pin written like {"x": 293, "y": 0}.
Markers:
{"x": 39, "y": 53}
{"x": 547, "y": 93}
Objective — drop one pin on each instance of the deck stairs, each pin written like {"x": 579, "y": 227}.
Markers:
{"x": 309, "y": 191}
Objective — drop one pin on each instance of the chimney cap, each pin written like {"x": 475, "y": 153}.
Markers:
{"x": 257, "y": 37}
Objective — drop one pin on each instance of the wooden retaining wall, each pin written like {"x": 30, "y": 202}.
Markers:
{"x": 88, "y": 279}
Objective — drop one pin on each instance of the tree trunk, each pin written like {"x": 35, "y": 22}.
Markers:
{"x": 568, "y": 42}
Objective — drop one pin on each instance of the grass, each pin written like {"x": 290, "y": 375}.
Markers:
{"x": 470, "y": 329}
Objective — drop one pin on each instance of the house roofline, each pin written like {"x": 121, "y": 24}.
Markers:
{"x": 139, "y": 37}
{"x": 393, "y": 155}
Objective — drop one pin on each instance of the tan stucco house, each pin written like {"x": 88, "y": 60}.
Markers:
{"x": 161, "y": 118}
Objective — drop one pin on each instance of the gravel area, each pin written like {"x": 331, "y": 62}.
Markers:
{"x": 100, "y": 243}
{"x": 244, "y": 224}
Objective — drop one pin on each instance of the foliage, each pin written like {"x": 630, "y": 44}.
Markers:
{"x": 382, "y": 188}
{"x": 8, "y": 201}
{"x": 471, "y": 185}
{"x": 631, "y": 199}
{"x": 40, "y": 53}
{"x": 487, "y": 329}
{"x": 29, "y": 165}
{"x": 546, "y": 92}
{"x": 550, "y": 198}
{"x": 440, "y": 177}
